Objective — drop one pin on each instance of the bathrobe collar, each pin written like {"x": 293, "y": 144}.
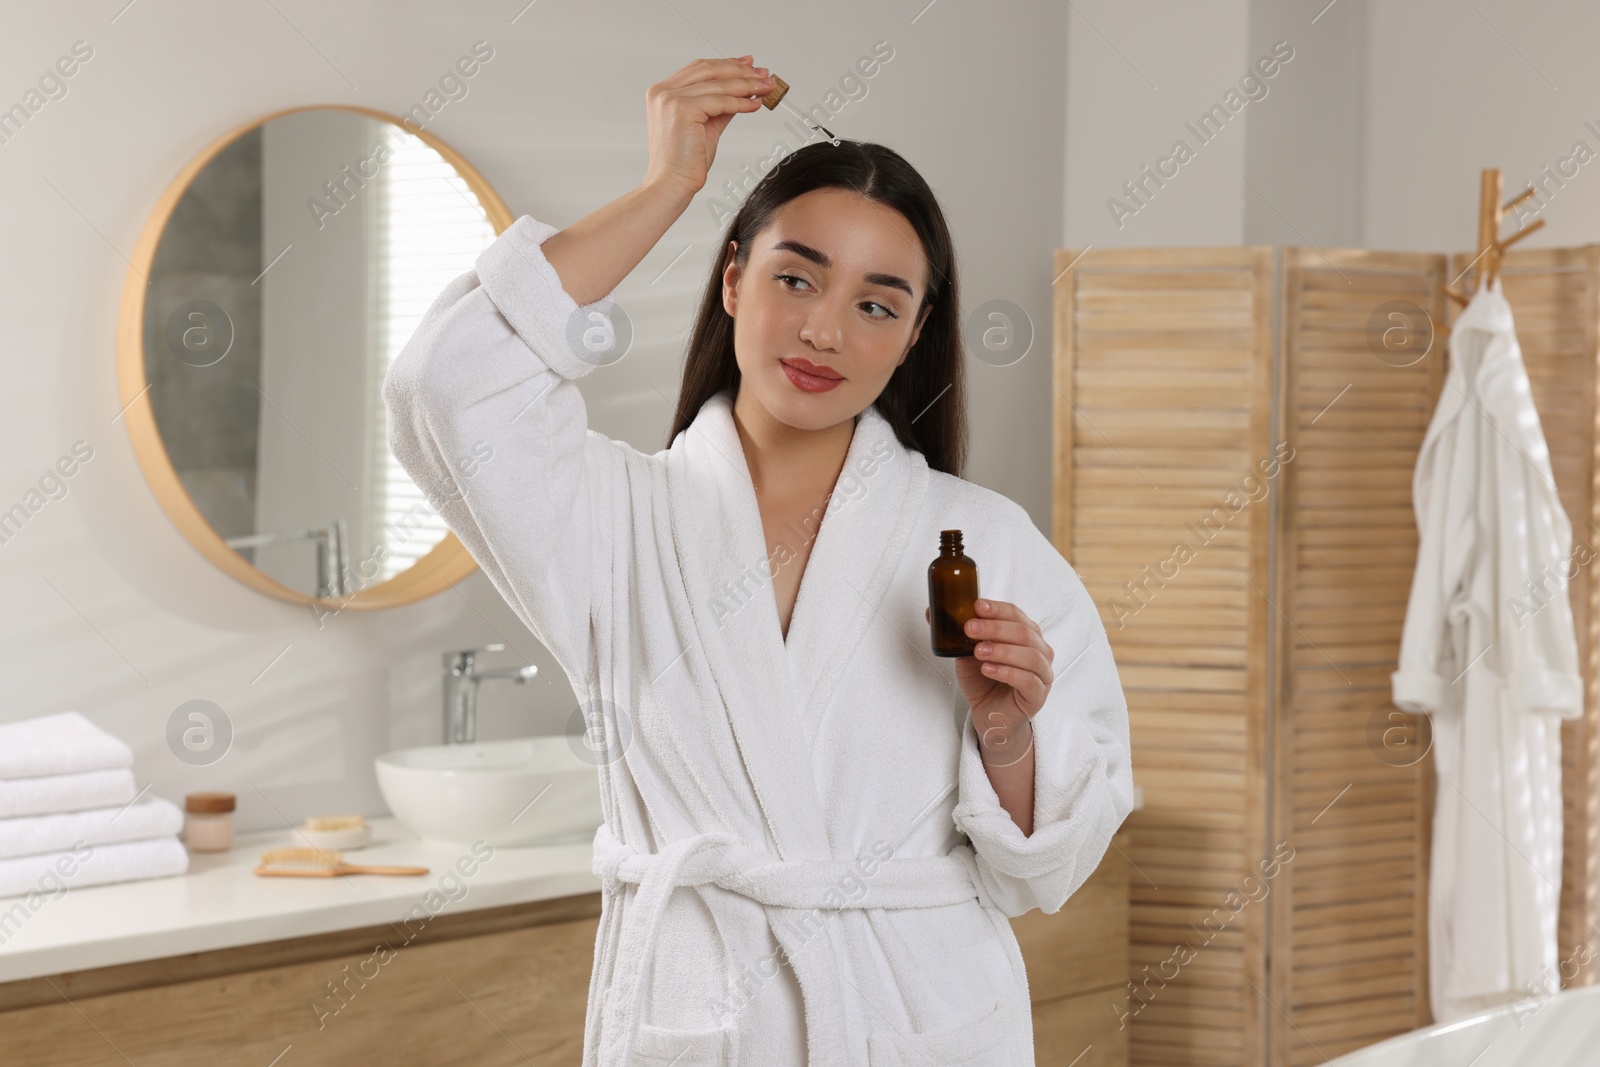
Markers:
{"x": 775, "y": 689}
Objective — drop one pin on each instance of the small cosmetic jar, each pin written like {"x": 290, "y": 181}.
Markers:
{"x": 208, "y": 821}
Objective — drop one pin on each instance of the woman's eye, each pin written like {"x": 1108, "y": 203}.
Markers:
{"x": 784, "y": 279}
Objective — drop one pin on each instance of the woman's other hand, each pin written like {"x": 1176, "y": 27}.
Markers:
{"x": 688, "y": 111}
{"x": 1007, "y": 680}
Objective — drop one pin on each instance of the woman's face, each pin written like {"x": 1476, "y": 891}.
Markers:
{"x": 832, "y": 286}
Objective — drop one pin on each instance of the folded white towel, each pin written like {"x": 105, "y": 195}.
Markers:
{"x": 29, "y": 835}
{"x": 65, "y": 792}
{"x": 126, "y": 861}
{"x": 63, "y": 743}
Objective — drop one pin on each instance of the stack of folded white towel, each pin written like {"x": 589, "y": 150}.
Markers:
{"x": 65, "y": 812}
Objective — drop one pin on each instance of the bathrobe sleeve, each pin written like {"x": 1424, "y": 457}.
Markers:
{"x": 1083, "y": 773}
{"x": 1536, "y": 563}
{"x": 486, "y": 418}
{"x": 1439, "y": 486}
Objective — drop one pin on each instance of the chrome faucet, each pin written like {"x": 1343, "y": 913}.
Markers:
{"x": 332, "y": 541}
{"x": 461, "y": 678}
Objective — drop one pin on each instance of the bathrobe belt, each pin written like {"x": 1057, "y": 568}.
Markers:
{"x": 719, "y": 859}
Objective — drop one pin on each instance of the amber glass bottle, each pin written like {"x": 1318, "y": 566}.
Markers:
{"x": 952, "y": 588}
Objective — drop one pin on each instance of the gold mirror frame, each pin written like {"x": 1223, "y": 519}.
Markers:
{"x": 445, "y": 564}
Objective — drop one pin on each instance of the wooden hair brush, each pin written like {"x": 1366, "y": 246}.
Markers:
{"x": 319, "y": 863}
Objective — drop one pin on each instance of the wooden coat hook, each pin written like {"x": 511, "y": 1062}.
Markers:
{"x": 1490, "y": 248}
{"x": 1490, "y": 214}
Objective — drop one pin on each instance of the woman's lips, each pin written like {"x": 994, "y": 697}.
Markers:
{"x": 809, "y": 376}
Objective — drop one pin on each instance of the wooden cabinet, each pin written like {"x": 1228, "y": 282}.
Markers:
{"x": 1077, "y": 963}
{"x": 497, "y": 986}
{"x": 501, "y": 986}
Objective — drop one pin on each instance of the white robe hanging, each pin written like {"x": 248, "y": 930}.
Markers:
{"x": 1489, "y": 652}
{"x": 810, "y": 800}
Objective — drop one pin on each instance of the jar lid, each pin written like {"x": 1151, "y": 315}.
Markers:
{"x": 208, "y": 803}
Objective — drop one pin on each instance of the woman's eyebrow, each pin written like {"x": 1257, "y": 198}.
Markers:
{"x": 822, "y": 259}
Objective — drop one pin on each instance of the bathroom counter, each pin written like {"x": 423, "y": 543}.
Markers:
{"x": 462, "y": 965}
{"x": 220, "y": 903}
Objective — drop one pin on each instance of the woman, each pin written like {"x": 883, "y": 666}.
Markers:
{"x": 814, "y": 829}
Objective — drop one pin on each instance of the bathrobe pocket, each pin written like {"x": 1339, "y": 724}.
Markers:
{"x": 658, "y": 1046}
{"x": 983, "y": 1041}
{"x": 665, "y": 1046}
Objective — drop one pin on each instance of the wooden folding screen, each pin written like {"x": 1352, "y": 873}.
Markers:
{"x": 1236, "y": 431}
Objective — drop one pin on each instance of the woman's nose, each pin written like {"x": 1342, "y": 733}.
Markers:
{"x": 822, "y": 327}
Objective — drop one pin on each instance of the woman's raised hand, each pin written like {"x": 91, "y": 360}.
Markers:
{"x": 688, "y": 111}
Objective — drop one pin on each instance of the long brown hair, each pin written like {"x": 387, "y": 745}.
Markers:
{"x": 926, "y": 398}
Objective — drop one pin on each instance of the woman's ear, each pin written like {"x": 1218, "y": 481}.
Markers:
{"x": 916, "y": 332}
{"x": 730, "y": 280}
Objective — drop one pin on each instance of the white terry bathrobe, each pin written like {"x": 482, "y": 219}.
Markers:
{"x": 785, "y": 863}
{"x": 1489, "y": 652}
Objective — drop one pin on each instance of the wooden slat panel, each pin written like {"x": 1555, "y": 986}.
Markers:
{"x": 1349, "y": 916}
{"x": 1163, "y": 413}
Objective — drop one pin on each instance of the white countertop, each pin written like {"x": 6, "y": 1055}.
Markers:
{"x": 221, "y": 903}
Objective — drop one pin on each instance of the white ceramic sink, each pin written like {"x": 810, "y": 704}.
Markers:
{"x": 526, "y": 791}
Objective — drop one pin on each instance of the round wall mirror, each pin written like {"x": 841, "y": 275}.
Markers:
{"x": 276, "y": 280}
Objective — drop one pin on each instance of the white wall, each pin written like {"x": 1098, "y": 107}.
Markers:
{"x": 1136, "y": 74}
{"x": 1284, "y": 168}
{"x": 1373, "y": 135}
{"x": 1458, "y": 88}
{"x": 1307, "y": 139}
{"x": 107, "y": 608}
